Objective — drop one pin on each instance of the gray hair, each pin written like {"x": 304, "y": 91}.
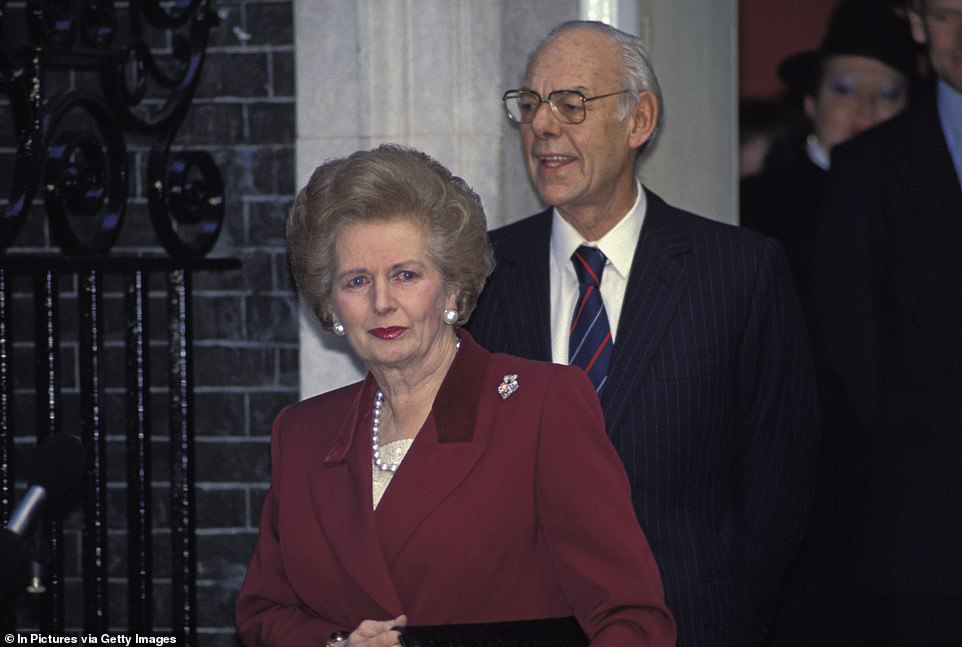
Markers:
{"x": 638, "y": 74}
{"x": 387, "y": 183}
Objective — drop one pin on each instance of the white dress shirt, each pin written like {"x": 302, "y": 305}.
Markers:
{"x": 950, "y": 114}
{"x": 618, "y": 245}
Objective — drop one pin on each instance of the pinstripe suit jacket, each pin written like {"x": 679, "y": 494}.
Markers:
{"x": 710, "y": 402}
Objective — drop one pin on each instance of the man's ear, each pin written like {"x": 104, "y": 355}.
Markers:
{"x": 644, "y": 118}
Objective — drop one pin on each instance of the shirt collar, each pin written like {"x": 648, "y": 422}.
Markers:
{"x": 618, "y": 245}
{"x": 950, "y": 107}
{"x": 950, "y": 114}
{"x": 817, "y": 153}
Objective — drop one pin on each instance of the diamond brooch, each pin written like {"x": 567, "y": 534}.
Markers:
{"x": 508, "y": 386}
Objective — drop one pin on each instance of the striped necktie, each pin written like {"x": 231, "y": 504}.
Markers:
{"x": 589, "y": 339}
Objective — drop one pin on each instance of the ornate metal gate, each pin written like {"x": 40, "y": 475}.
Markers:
{"x": 80, "y": 81}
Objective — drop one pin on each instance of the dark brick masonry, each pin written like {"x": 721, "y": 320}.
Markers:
{"x": 246, "y": 324}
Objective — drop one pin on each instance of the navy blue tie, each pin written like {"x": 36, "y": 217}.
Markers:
{"x": 589, "y": 339}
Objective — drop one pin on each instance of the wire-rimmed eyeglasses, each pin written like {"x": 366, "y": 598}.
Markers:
{"x": 567, "y": 105}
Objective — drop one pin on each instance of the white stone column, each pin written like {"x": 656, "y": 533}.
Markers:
{"x": 694, "y": 49}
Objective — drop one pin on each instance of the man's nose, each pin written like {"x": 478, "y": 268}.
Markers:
{"x": 545, "y": 123}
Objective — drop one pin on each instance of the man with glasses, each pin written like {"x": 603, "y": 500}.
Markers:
{"x": 690, "y": 330}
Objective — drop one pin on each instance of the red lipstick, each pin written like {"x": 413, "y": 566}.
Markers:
{"x": 392, "y": 332}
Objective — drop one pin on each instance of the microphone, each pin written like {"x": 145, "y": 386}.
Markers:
{"x": 55, "y": 476}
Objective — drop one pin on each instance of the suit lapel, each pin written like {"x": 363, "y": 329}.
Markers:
{"x": 655, "y": 285}
{"x": 442, "y": 455}
{"x": 341, "y": 494}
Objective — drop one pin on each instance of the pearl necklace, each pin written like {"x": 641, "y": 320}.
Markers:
{"x": 375, "y": 429}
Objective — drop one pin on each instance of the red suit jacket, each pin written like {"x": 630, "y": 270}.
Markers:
{"x": 503, "y": 509}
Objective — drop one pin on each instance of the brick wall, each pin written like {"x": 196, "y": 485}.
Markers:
{"x": 245, "y": 321}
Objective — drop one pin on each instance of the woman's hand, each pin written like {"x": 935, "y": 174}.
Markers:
{"x": 374, "y": 633}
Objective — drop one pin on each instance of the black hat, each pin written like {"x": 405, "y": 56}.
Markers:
{"x": 857, "y": 28}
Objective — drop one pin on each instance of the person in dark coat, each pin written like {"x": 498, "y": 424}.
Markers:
{"x": 860, "y": 76}
{"x": 888, "y": 331}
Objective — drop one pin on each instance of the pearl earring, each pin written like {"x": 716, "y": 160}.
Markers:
{"x": 451, "y": 316}
{"x": 338, "y": 329}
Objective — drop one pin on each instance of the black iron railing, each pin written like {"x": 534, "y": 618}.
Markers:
{"x": 79, "y": 80}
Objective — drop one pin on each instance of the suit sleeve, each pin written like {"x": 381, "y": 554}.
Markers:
{"x": 268, "y": 612}
{"x": 777, "y": 454}
{"x": 600, "y": 554}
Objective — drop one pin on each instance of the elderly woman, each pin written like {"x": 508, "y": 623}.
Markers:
{"x": 451, "y": 485}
